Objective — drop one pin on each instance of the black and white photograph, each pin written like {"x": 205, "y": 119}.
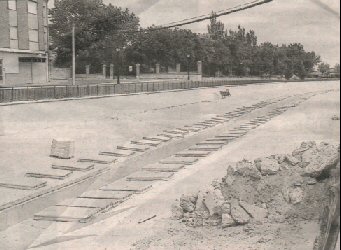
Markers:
{"x": 169, "y": 124}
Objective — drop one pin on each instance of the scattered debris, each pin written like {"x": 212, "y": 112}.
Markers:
{"x": 277, "y": 188}
{"x": 336, "y": 118}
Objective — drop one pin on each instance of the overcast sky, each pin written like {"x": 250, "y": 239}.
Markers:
{"x": 314, "y": 23}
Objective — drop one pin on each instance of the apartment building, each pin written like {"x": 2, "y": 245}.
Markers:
{"x": 23, "y": 42}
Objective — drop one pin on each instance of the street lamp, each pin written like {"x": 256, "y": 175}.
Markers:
{"x": 118, "y": 65}
{"x": 188, "y": 62}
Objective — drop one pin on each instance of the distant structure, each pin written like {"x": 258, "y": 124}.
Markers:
{"x": 23, "y": 42}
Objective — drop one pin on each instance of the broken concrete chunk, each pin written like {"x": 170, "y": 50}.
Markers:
{"x": 213, "y": 201}
{"x": 296, "y": 195}
{"x": 319, "y": 160}
{"x": 187, "y": 203}
{"x": 267, "y": 166}
{"x": 247, "y": 169}
{"x": 200, "y": 205}
{"x": 177, "y": 212}
{"x": 239, "y": 215}
{"x": 227, "y": 221}
{"x": 257, "y": 213}
{"x": 297, "y": 153}
{"x": 293, "y": 161}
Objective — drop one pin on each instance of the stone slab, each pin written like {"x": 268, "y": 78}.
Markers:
{"x": 171, "y": 136}
{"x": 215, "y": 142}
{"x": 63, "y": 149}
{"x": 118, "y": 153}
{"x": 50, "y": 174}
{"x": 88, "y": 203}
{"x": 135, "y": 148}
{"x": 147, "y": 143}
{"x": 98, "y": 160}
{"x": 206, "y": 147}
{"x": 75, "y": 166}
{"x": 219, "y": 139}
{"x": 179, "y": 160}
{"x": 163, "y": 167}
{"x": 100, "y": 194}
{"x": 62, "y": 214}
{"x": 149, "y": 176}
{"x": 157, "y": 138}
{"x": 132, "y": 186}
{"x": 191, "y": 153}
{"x": 22, "y": 183}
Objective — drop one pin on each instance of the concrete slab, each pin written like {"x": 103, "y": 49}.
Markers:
{"x": 50, "y": 174}
{"x": 134, "y": 148}
{"x": 191, "y": 153}
{"x": 118, "y": 153}
{"x": 132, "y": 186}
{"x": 194, "y": 129}
{"x": 179, "y": 160}
{"x": 220, "y": 139}
{"x": 214, "y": 142}
{"x": 149, "y": 176}
{"x": 113, "y": 195}
{"x": 157, "y": 138}
{"x": 62, "y": 214}
{"x": 88, "y": 203}
{"x": 75, "y": 166}
{"x": 98, "y": 160}
{"x": 158, "y": 167}
{"x": 206, "y": 147}
{"x": 171, "y": 136}
{"x": 22, "y": 183}
{"x": 175, "y": 131}
{"x": 146, "y": 143}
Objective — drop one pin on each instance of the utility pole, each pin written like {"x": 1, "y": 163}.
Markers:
{"x": 188, "y": 62}
{"x": 73, "y": 54}
{"x": 118, "y": 65}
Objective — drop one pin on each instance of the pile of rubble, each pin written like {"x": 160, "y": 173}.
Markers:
{"x": 275, "y": 189}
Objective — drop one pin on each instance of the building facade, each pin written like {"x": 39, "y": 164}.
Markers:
{"x": 23, "y": 42}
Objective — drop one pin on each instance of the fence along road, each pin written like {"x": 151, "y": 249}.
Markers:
{"x": 36, "y": 93}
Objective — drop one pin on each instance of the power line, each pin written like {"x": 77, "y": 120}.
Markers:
{"x": 202, "y": 18}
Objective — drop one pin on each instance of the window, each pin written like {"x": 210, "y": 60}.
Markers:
{"x": 12, "y": 4}
{"x": 14, "y": 33}
{"x": 32, "y": 7}
{"x": 34, "y": 46}
{"x": 13, "y": 23}
{"x": 14, "y": 44}
{"x": 1, "y": 71}
{"x": 33, "y": 35}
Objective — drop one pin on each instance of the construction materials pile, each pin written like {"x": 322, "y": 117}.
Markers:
{"x": 279, "y": 188}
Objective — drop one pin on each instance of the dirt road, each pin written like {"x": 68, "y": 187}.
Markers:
{"x": 120, "y": 229}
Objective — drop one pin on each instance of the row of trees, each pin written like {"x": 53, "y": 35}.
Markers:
{"x": 101, "y": 29}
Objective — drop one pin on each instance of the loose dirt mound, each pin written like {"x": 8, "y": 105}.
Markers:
{"x": 279, "y": 188}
